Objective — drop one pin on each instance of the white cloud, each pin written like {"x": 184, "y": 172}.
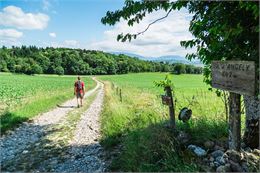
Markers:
{"x": 65, "y": 43}
{"x": 71, "y": 43}
{"x": 10, "y": 33}
{"x": 15, "y": 17}
{"x": 10, "y": 37}
{"x": 162, "y": 38}
{"x": 46, "y": 5}
{"x": 52, "y": 34}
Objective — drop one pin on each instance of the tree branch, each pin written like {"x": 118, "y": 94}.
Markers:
{"x": 154, "y": 23}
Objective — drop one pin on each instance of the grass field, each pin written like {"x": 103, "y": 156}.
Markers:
{"x": 136, "y": 126}
{"x": 190, "y": 90}
{"x": 22, "y": 96}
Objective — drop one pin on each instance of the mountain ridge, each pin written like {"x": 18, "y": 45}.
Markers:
{"x": 166, "y": 58}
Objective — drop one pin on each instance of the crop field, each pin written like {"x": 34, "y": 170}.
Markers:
{"x": 23, "y": 96}
{"x": 137, "y": 122}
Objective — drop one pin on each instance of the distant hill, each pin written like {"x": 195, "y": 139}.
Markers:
{"x": 169, "y": 58}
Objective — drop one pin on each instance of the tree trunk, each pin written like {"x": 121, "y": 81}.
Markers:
{"x": 252, "y": 109}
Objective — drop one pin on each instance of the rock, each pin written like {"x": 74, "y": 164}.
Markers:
{"x": 54, "y": 162}
{"x": 209, "y": 144}
{"x": 220, "y": 160}
{"x": 234, "y": 156}
{"x": 197, "y": 150}
{"x": 248, "y": 149}
{"x": 221, "y": 169}
{"x": 244, "y": 166}
{"x": 211, "y": 164}
{"x": 256, "y": 152}
{"x": 235, "y": 166}
{"x": 217, "y": 164}
{"x": 25, "y": 151}
{"x": 227, "y": 167}
{"x": 78, "y": 156}
{"x": 183, "y": 137}
{"x": 225, "y": 156}
{"x": 211, "y": 159}
{"x": 223, "y": 143}
{"x": 217, "y": 153}
{"x": 217, "y": 147}
{"x": 251, "y": 157}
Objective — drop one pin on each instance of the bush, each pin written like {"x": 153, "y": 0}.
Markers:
{"x": 59, "y": 70}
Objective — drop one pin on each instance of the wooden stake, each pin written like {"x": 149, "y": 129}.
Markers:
{"x": 234, "y": 121}
{"x": 120, "y": 94}
{"x": 171, "y": 107}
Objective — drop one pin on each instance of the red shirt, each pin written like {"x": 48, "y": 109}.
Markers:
{"x": 82, "y": 86}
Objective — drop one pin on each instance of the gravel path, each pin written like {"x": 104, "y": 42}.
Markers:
{"x": 85, "y": 149}
{"x": 16, "y": 142}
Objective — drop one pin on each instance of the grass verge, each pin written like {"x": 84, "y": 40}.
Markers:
{"x": 137, "y": 127}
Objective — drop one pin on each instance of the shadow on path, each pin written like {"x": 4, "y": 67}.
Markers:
{"x": 60, "y": 106}
{"x": 45, "y": 155}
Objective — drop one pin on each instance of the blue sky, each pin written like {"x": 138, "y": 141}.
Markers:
{"x": 76, "y": 24}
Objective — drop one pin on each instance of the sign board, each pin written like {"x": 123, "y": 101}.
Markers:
{"x": 166, "y": 100}
{"x": 234, "y": 76}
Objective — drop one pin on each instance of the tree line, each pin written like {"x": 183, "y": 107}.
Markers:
{"x": 49, "y": 60}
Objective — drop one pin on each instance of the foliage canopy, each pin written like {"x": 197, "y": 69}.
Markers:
{"x": 223, "y": 30}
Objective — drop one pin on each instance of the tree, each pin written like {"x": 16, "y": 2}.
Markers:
{"x": 179, "y": 69}
{"x": 189, "y": 69}
{"x": 223, "y": 31}
{"x": 72, "y": 61}
{"x": 36, "y": 69}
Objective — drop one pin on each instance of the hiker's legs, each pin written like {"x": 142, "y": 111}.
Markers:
{"x": 77, "y": 96}
{"x": 78, "y": 102}
{"x": 81, "y": 101}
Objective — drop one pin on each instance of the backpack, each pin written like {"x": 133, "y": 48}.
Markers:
{"x": 79, "y": 85}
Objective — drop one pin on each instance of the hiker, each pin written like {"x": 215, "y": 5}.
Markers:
{"x": 79, "y": 91}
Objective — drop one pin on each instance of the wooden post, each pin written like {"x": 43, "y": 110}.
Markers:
{"x": 171, "y": 107}
{"x": 234, "y": 121}
{"x": 120, "y": 94}
{"x": 113, "y": 85}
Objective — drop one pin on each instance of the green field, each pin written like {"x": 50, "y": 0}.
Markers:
{"x": 189, "y": 90}
{"x": 137, "y": 124}
{"x": 24, "y": 96}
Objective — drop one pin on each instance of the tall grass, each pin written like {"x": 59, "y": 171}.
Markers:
{"x": 136, "y": 126}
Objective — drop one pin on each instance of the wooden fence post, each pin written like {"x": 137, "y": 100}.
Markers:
{"x": 120, "y": 94}
{"x": 235, "y": 121}
{"x": 113, "y": 85}
{"x": 171, "y": 107}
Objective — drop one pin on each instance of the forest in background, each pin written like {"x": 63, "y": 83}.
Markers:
{"x": 49, "y": 60}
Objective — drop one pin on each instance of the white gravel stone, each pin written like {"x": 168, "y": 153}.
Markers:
{"x": 85, "y": 146}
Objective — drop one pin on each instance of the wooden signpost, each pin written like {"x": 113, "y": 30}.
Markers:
{"x": 238, "y": 77}
{"x": 168, "y": 100}
{"x": 234, "y": 76}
